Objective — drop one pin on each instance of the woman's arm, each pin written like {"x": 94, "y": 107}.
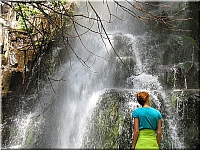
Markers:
{"x": 136, "y": 132}
{"x": 159, "y": 131}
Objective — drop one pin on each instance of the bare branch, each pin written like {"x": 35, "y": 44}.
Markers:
{"x": 105, "y": 32}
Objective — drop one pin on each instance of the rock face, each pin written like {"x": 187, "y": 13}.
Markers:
{"x": 14, "y": 59}
{"x": 24, "y": 38}
{"x": 111, "y": 123}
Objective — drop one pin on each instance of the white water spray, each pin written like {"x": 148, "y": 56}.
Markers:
{"x": 77, "y": 97}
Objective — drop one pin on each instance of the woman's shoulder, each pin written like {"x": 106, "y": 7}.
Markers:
{"x": 156, "y": 110}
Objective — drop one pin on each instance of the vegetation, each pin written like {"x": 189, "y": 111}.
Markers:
{"x": 42, "y": 22}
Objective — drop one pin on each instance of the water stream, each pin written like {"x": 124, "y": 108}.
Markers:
{"x": 60, "y": 112}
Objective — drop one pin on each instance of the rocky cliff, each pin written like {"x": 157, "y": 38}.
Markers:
{"x": 27, "y": 29}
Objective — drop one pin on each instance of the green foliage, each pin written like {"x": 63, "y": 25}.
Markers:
{"x": 1, "y": 24}
{"x": 192, "y": 40}
{"x": 63, "y": 2}
{"x": 55, "y": 3}
{"x": 25, "y": 12}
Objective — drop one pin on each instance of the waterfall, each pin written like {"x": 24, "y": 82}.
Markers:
{"x": 62, "y": 111}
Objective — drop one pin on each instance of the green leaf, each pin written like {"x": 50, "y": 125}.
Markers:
{"x": 192, "y": 40}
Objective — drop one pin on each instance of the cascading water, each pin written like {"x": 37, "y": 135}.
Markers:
{"x": 63, "y": 112}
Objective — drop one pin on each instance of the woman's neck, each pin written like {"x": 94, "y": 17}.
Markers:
{"x": 145, "y": 105}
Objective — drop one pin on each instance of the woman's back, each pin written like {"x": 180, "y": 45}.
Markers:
{"x": 148, "y": 117}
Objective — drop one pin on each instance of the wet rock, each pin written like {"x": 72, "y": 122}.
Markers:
{"x": 186, "y": 106}
{"x": 111, "y": 125}
{"x": 3, "y": 60}
{"x": 6, "y": 78}
{"x": 13, "y": 59}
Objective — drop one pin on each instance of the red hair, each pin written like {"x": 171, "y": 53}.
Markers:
{"x": 142, "y": 97}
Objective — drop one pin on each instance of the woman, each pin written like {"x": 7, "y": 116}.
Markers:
{"x": 147, "y": 122}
